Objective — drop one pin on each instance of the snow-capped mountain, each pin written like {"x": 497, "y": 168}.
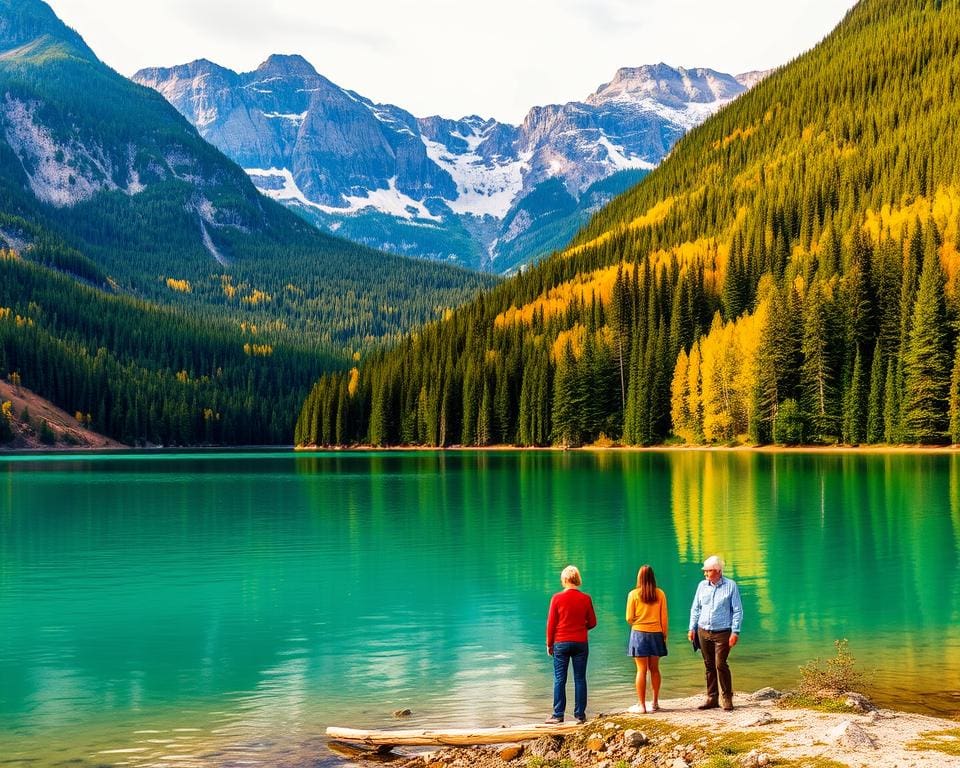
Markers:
{"x": 468, "y": 190}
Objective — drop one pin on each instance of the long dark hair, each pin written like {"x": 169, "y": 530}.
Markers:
{"x": 647, "y": 584}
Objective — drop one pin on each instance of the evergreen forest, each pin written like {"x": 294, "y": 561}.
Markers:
{"x": 790, "y": 274}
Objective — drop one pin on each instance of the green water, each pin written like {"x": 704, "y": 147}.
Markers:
{"x": 223, "y": 609}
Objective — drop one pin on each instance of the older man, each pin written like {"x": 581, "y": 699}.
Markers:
{"x": 715, "y": 618}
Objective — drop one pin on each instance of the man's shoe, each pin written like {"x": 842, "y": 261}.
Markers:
{"x": 709, "y": 704}
{"x": 582, "y": 719}
{"x": 553, "y": 720}
{"x": 728, "y": 705}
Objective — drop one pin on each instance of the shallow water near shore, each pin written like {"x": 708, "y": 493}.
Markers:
{"x": 220, "y": 609}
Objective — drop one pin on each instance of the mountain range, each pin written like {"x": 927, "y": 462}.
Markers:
{"x": 479, "y": 192}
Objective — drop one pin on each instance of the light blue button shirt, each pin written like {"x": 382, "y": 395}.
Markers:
{"x": 717, "y": 607}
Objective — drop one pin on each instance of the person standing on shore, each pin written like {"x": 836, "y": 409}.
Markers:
{"x": 715, "y": 617}
{"x": 570, "y": 617}
{"x": 647, "y": 617}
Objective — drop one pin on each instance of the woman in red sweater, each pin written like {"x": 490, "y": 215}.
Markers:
{"x": 570, "y": 617}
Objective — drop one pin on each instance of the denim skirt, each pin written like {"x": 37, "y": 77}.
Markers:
{"x": 646, "y": 644}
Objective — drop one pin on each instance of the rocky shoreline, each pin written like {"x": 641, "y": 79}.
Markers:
{"x": 764, "y": 729}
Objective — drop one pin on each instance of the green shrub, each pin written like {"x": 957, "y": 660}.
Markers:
{"x": 46, "y": 435}
{"x": 836, "y": 676}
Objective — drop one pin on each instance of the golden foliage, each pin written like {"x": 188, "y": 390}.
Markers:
{"x": 6, "y": 313}
{"x": 257, "y": 297}
{"x": 8, "y": 254}
{"x": 598, "y": 283}
{"x": 575, "y": 336}
{"x": 654, "y": 215}
{"x": 897, "y": 222}
{"x": 709, "y": 251}
{"x": 183, "y": 286}
{"x": 739, "y": 134}
{"x": 353, "y": 381}
{"x": 258, "y": 350}
{"x": 713, "y": 390}
{"x": 229, "y": 290}
{"x": 183, "y": 376}
{"x": 7, "y": 410}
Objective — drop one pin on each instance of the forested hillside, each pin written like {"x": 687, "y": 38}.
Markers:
{"x": 153, "y": 281}
{"x": 790, "y": 274}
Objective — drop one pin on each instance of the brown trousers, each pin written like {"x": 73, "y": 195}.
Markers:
{"x": 715, "y": 647}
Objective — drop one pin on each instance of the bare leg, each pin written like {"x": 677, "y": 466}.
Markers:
{"x": 655, "y": 679}
{"x": 641, "y": 681}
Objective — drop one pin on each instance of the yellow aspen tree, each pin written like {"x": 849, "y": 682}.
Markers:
{"x": 695, "y": 392}
{"x": 715, "y": 398}
{"x": 679, "y": 397}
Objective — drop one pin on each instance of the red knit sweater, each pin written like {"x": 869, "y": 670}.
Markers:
{"x": 570, "y": 616}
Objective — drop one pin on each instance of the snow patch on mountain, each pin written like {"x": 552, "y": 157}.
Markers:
{"x": 279, "y": 184}
{"x": 618, "y": 157}
{"x": 484, "y": 188}
{"x": 389, "y": 200}
{"x": 296, "y": 119}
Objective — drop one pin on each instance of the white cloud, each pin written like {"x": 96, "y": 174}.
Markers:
{"x": 436, "y": 57}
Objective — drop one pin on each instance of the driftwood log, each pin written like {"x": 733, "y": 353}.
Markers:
{"x": 452, "y": 737}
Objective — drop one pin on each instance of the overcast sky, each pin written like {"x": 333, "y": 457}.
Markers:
{"x": 495, "y": 58}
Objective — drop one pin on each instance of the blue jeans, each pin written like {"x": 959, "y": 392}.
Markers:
{"x": 563, "y": 653}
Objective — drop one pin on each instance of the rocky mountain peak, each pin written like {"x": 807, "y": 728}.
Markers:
{"x": 667, "y": 85}
{"x": 287, "y": 65}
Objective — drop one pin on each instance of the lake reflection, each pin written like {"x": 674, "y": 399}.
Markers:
{"x": 211, "y": 608}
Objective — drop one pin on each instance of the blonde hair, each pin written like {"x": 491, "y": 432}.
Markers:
{"x": 571, "y": 575}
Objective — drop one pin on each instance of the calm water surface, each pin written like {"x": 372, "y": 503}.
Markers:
{"x": 223, "y": 609}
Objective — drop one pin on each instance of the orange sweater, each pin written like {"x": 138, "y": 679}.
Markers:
{"x": 647, "y": 617}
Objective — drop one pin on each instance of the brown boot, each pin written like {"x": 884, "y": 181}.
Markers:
{"x": 728, "y": 705}
{"x": 709, "y": 704}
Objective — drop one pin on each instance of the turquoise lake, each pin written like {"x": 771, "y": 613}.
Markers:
{"x": 218, "y": 609}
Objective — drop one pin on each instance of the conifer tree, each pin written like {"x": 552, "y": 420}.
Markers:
{"x": 876, "y": 397}
{"x": 926, "y": 362}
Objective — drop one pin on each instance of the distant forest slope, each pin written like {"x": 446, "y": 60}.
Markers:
{"x": 789, "y": 274}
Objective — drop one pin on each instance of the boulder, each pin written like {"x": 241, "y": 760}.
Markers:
{"x": 545, "y": 745}
{"x": 765, "y": 694}
{"x": 760, "y": 718}
{"x": 508, "y": 752}
{"x": 398, "y": 713}
{"x": 755, "y": 759}
{"x": 595, "y": 742}
{"x": 634, "y": 739}
{"x": 849, "y": 734}
{"x": 859, "y": 703}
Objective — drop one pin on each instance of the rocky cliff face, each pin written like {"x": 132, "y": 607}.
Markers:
{"x": 435, "y": 187}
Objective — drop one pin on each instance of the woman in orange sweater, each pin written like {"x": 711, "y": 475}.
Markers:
{"x": 647, "y": 617}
